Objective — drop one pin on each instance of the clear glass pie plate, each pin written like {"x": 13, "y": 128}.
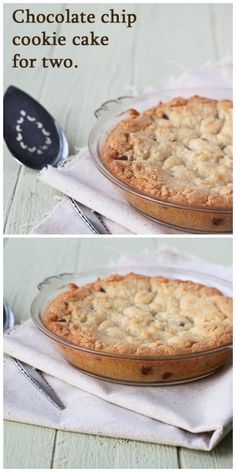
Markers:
{"x": 182, "y": 217}
{"x": 132, "y": 369}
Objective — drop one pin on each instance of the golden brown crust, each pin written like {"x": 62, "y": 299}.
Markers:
{"x": 179, "y": 151}
{"x": 136, "y": 314}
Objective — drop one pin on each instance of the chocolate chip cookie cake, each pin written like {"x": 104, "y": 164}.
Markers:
{"x": 179, "y": 151}
{"x": 137, "y": 328}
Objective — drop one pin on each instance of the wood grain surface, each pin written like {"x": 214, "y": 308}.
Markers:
{"x": 166, "y": 39}
{"x": 27, "y": 261}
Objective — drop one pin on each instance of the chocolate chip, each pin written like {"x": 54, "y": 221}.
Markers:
{"x": 133, "y": 112}
{"x": 166, "y": 375}
{"x": 73, "y": 286}
{"x": 146, "y": 370}
{"x": 181, "y": 323}
{"x": 165, "y": 117}
{"x": 217, "y": 221}
{"x": 122, "y": 158}
{"x": 102, "y": 290}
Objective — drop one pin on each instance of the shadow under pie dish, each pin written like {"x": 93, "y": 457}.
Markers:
{"x": 135, "y": 328}
{"x": 173, "y": 160}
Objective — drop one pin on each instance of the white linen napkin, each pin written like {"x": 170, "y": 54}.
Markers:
{"x": 195, "y": 415}
{"x": 81, "y": 180}
{"x": 64, "y": 220}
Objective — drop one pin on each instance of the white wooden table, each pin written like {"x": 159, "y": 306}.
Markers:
{"x": 165, "y": 39}
{"x": 27, "y": 262}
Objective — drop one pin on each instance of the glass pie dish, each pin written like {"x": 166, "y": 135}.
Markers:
{"x": 195, "y": 219}
{"x": 132, "y": 369}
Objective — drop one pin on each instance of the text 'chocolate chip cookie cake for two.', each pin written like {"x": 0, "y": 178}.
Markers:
{"x": 178, "y": 153}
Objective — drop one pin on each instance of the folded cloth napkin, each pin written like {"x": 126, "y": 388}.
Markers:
{"x": 64, "y": 220}
{"x": 196, "y": 415}
{"x": 81, "y": 180}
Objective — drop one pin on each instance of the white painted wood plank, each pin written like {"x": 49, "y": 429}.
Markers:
{"x": 222, "y": 26}
{"x": 177, "y": 36}
{"x": 219, "y": 458}
{"x": 28, "y": 262}
{"x": 31, "y": 202}
{"x": 215, "y": 250}
{"x": 27, "y": 447}
{"x": 98, "y": 252}
{"x": 11, "y": 172}
{"x": 79, "y": 451}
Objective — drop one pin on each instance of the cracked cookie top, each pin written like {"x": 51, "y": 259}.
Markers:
{"x": 137, "y": 314}
{"x": 179, "y": 151}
